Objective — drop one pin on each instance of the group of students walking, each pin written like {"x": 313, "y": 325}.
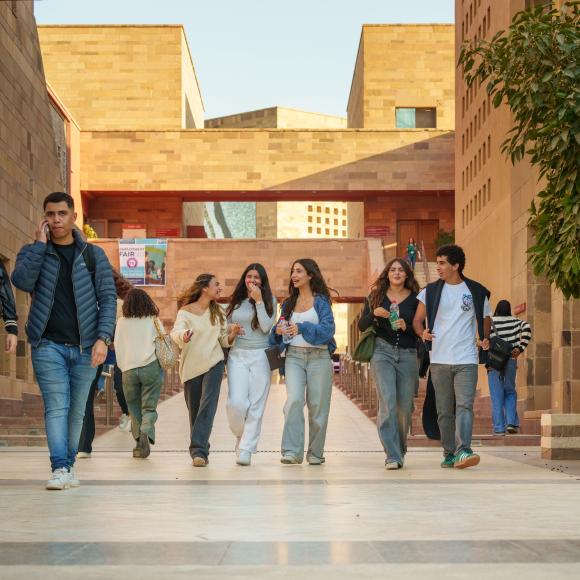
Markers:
{"x": 82, "y": 310}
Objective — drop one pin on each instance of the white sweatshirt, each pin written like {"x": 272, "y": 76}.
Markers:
{"x": 135, "y": 342}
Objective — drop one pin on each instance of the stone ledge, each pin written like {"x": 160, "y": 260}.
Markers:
{"x": 560, "y": 436}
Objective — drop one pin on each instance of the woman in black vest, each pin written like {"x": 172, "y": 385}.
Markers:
{"x": 391, "y": 307}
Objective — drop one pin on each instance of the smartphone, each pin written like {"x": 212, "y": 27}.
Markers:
{"x": 47, "y": 231}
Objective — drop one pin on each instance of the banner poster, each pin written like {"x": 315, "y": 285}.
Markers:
{"x": 142, "y": 261}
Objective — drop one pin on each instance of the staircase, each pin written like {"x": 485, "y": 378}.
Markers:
{"x": 420, "y": 273}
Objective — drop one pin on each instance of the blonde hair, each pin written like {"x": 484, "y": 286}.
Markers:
{"x": 193, "y": 294}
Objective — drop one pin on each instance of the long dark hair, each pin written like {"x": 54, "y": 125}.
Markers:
{"x": 122, "y": 285}
{"x": 241, "y": 293}
{"x": 317, "y": 285}
{"x": 381, "y": 284}
{"x": 193, "y": 294}
{"x": 138, "y": 304}
{"x": 503, "y": 308}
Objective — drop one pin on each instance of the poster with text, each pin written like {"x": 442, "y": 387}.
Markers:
{"x": 142, "y": 261}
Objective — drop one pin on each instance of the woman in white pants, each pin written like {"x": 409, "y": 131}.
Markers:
{"x": 253, "y": 307}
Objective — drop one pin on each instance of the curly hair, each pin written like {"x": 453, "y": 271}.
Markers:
{"x": 381, "y": 284}
{"x": 193, "y": 294}
{"x": 454, "y": 254}
{"x": 241, "y": 293}
{"x": 138, "y": 304}
{"x": 317, "y": 285}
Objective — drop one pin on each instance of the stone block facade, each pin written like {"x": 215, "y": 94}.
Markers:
{"x": 29, "y": 165}
{"x": 119, "y": 77}
{"x": 560, "y": 436}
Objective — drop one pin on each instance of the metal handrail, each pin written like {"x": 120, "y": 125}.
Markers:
{"x": 425, "y": 263}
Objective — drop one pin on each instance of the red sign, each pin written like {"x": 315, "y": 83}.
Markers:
{"x": 167, "y": 233}
{"x": 520, "y": 308}
{"x": 377, "y": 231}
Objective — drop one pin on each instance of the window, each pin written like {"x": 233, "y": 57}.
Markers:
{"x": 318, "y": 219}
{"x": 318, "y": 230}
{"x": 335, "y": 222}
{"x": 327, "y": 231}
{"x": 484, "y": 149}
{"x": 327, "y": 209}
{"x": 309, "y": 208}
{"x": 318, "y": 209}
{"x": 344, "y": 223}
{"x": 335, "y": 211}
{"x": 462, "y": 218}
{"x": 336, "y": 232}
{"x": 310, "y": 219}
{"x": 415, "y": 118}
{"x": 309, "y": 230}
{"x": 326, "y": 221}
{"x": 484, "y": 194}
{"x": 489, "y": 146}
{"x": 343, "y": 212}
{"x": 489, "y": 190}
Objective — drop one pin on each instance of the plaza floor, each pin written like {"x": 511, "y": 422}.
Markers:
{"x": 514, "y": 515}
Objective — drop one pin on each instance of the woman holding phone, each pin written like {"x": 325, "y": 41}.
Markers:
{"x": 253, "y": 308}
{"x": 200, "y": 330}
{"x": 306, "y": 328}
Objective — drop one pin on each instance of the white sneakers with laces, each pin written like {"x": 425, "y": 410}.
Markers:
{"x": 59, "y": 479}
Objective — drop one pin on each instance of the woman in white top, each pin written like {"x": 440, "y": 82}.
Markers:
{"x": 200, "y": 330}
{"x": 142, "y": 375}
{"x": 309, "y": 337}
{"x": 253, "y": 307}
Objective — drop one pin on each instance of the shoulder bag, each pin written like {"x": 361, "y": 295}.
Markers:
{"x": 166, "y": 350}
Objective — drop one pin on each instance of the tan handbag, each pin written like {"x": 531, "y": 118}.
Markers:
{"x": 166, "y": 351}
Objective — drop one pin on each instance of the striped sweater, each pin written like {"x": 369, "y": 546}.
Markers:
{"x": 517, "y": 332}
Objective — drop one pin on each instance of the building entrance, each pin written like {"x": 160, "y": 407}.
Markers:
{"x": 423, "y": 231}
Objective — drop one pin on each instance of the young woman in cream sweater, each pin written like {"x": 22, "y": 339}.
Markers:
{"x": 201, "y": 331}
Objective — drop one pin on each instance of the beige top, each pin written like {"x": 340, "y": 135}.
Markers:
{"x": 204, "y": 350}
{"x": 135, "y": 342}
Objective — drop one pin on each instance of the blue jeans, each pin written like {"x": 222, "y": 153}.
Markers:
{"x": 64, "y": 375}
{"x": 397, "y": 379}
{"x": 504, "y": 399}
{"x": 308, "y": 381}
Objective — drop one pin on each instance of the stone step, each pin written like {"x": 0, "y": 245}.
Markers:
{"x": 22, "y": 440}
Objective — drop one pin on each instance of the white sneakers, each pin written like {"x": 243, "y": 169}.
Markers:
{"x": 244, "y": 457}
{"x": 61, "y": 478}
{"x": 124, "y": 422}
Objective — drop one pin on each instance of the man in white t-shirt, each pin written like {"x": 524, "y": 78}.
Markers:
{"x": 457, "y": 312}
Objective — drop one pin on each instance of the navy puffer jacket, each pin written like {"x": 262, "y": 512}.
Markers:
{"x": 36, "y": 271}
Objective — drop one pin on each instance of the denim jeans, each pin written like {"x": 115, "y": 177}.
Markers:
{"x": 142, "y": 387}
{"x": 504, "y": 399}
{"x": 454, "y": 387}
{"x": 308, "y": 381}
{"x": 202, "y": 394}
{"x": 249, "y": 378}
{"x": 64, "y": 375}
{"x": 397, "y": 378}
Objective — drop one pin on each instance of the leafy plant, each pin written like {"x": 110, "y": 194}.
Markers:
{"x": 89, "y": 232}
{"x": 444, "y": 237}
{"x": 534, "y": 68}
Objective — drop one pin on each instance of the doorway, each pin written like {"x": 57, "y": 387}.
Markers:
{"x": 424, "y": 231}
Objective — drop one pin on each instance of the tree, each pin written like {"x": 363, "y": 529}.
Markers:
{"x": 534, "y": 67}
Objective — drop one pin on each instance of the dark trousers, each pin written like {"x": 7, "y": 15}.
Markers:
{"x": 201, "y": 396}
{"x": 88, "y": 431}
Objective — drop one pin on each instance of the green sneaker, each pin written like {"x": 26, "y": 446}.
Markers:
{"x": 466, "y": 458}
{"x": 448, "y": 460}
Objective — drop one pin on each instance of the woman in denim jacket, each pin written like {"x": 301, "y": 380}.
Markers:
{"x": 306, "y": 333}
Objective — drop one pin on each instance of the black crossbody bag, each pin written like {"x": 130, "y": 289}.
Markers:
{"x": 499, "y": 353}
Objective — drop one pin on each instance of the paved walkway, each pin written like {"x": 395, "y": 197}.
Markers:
{"x": 514, "y": 515}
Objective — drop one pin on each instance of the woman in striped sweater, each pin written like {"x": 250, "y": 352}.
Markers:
{"x": 502, "y": 384}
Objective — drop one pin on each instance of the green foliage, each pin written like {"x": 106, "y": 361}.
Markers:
{"x": 534, "y": 67}
{"x": 444, "y": 237}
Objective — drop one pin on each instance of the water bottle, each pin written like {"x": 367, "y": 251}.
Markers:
{"x": 394, "y": 315}
{"x": 285, "y": 338}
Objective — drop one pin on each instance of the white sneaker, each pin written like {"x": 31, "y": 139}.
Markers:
{"x": 124, "y": 422}
{"x": 72, "y": 480}
{"x": 244, "y": 457}
{"x": 83, "y": 455}
{"x": 389, "y": 465}
{"x": 59, "y": 479}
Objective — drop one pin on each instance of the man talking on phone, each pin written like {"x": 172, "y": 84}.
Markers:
{"x": 70, "y": 325}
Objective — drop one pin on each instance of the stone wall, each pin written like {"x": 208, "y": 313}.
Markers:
{"x": 29, "y": 165}
{"x": 276, "y": 117}
{"x": 118, "y": 77}
{"x": 266, "y": 159}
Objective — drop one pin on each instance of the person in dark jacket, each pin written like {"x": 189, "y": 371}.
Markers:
{"x": 8, "y": 310}
{"x": 456, "y": 308}
{"x": 70, "y": 325}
